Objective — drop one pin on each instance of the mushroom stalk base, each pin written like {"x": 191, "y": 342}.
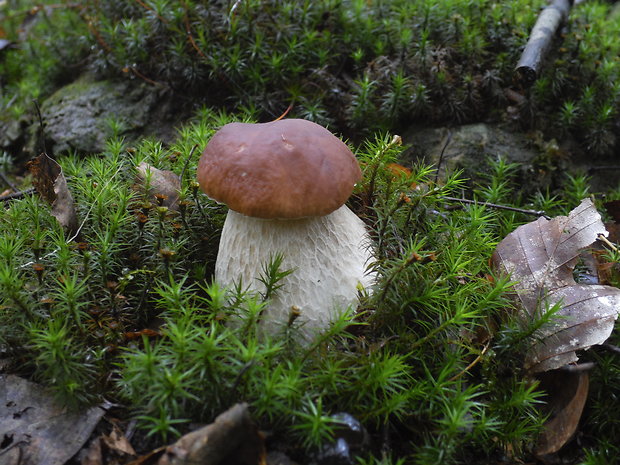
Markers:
{"x": 329, "y": 255}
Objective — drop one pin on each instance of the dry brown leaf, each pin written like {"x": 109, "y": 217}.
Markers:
{"x": 107, "y": 449}
{"x": 51, "y": 185}
{"x": 92, "y": 455}
{"x": 150, "y": 458}
{"x": 117, "y": 442}
{"x": 231, "y": 438}
{"x": 163, "y": 184}
{"x": 568, "y": 392}
{"x": 37, "y": 430}
{"x": 44, "y": 172}
{"x": 540, "y": 257}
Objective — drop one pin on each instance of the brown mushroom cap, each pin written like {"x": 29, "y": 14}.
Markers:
{"x": 290, "y": 168}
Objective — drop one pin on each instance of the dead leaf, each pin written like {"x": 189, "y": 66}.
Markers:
{"x": 540, "y": 257}
{"x": 107, "y": 449}
{"x": 44, "y": 172}
{"x": 92, "y": 455}
{"x": 231, "y": 438}
{"x": 164, "y": 185}
{"x": 35, "y": 429}
{"x": 148, "y": 458}
{"x": 117, "y": 442}
{"x": 606, "y": 270}
{"x": 568, "y": 392}
{"x": 51, "y": 185}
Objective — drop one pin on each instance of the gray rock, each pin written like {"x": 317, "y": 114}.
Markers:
{"x": 467, "y": 147}
{"x": 76, "y": 116}
{"x": 11, "y": 131}
{"x": 543, "y": 164}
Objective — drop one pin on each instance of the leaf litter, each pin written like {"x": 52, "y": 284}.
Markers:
{"x": 162, "y": 184}
{"x": 231, "y": 438}
{"x": 35, "y": 429}
{"x": 540, "y": 258}
{"x": 51, "y": 184}
{"x": 568, "y": 395}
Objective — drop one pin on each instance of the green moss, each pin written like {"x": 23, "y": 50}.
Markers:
{"x": 49, "y": 49}
{"x": 433, "y": 355}
{"x": 359, "y": 66}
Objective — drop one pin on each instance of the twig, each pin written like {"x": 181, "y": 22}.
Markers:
{"x": 142, "y": 76}
{"x": 578, "y": 367}
{"x": 499, "y": 207}
{"x": 95, "y": 32}
{"x": 16, "y": 195}
{"x": 7, "y": 181}
{"x": 539, "y": 43}
{"x": 189, "y": 157}
{"x": 601, "y": 237}
{"x": 42, "y": 135}
{"x": 148, "y": 7}
{"x": 604, "y": 168}
{"x": 11, "y": 102}
{"x": 16, "y": 444}
{"x": 611, "y": 348}
{"x": 472, "y": 364}
{"x": 285, "y": 112}
{"x": 188, "y": 31}
{"x": 443, "y": 150}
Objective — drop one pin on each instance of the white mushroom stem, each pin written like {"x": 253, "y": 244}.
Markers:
{"x": 329, "y": 256}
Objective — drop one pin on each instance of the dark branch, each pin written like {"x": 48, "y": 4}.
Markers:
{"x": 499, "y": 207}
{"x": 539, "y": 43}
{"x": 7, "y": 181}
{"x": 16, "y": 195}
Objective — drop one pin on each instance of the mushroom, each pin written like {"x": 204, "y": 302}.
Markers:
{"x": 286, "y": 183}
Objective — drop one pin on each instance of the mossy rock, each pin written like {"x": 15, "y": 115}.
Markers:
{"x": 470, "y": 147}
{"x": 77, "y": 116}
{"x": 543, "y": 163}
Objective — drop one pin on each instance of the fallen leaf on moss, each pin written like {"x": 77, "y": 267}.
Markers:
{"x": 231, "y": 438}
{"x": 117, "y": 442}
{"x": 568, "y": 392}
{"x": 51, "y": 185}
{"x": 540, "y": 257}
{"x": 35, "y": 429}
{"x": 108, "y": 449}
{"x": 92, "y": 455}
{"x": 164, "y": 185}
